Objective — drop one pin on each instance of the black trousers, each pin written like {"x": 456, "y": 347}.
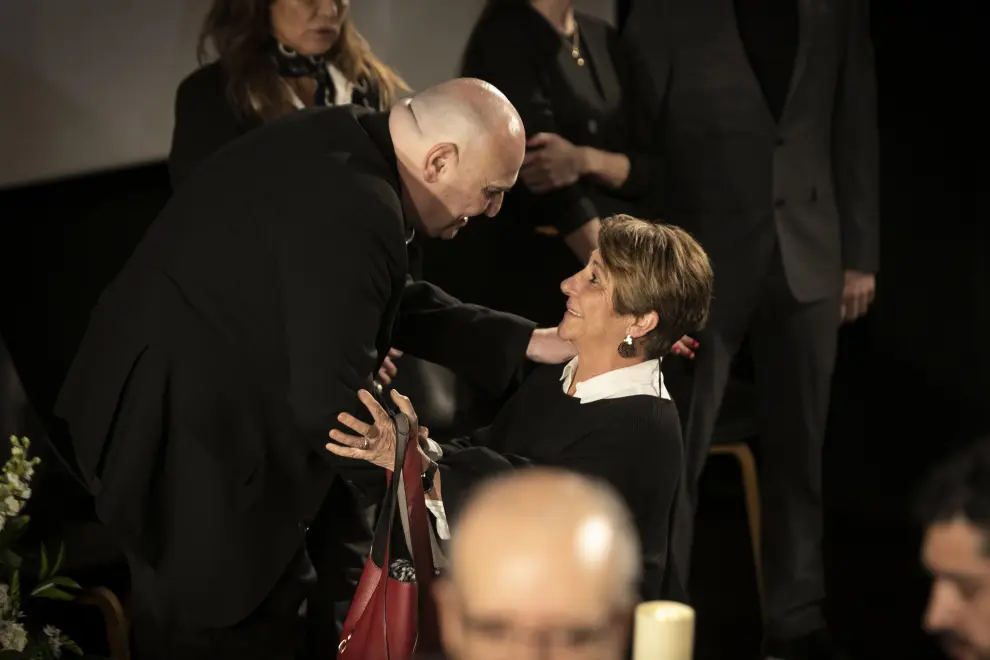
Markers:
{"x": 300, "y": 618}
{"x": 793, "y": 346}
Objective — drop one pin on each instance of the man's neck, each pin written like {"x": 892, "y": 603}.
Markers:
{"x": 560, "y": 13}
{"x": 596, "y": 363}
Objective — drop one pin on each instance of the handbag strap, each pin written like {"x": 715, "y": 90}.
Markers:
{"x": 419, "y": 529}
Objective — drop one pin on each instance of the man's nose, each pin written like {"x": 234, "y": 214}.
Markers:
{"x": 940, "y": 612}
{"x": 494, "y": 206}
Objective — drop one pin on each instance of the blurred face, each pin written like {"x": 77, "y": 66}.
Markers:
{"x": 461, "y": 185}
{"x": 956, "y": 554}
{"x": 310, "y": 27}
{"x": 590, "y": 318}
{"x": 483, "y": 616}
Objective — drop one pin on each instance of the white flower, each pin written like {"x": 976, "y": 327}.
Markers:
{"x": 25, "y": 493}
{"x": 54, "y": 640}
{"x": 16, "y": 451}
{"x": 13, "y": 505}
{"x": 13, "y": 637}
{"x": 14, "y": 480}
{"x": 3, "y": 521}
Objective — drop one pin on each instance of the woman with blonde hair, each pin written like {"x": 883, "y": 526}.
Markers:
{"x": 273, "y": 57}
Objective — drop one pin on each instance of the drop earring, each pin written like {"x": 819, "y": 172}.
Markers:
{"x": 626, "y": 348}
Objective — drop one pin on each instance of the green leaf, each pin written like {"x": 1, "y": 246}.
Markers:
{"x": 15, "y": 527}
{"x": 64, "y": 581}
{"x": 71, "y": 645}
{"x": 43, "y": 575}
{"x": 52, "y": 593}
{"x": 15, "y": 589}
{"x": 60, "y": 559}
{"x": 9, "y": 558}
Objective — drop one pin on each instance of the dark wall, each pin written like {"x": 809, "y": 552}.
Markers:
{"x": 62, "y": 244}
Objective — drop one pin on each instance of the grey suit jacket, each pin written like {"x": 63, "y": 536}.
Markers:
{"x": 742, "y": 182}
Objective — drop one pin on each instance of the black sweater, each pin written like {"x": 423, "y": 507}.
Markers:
{"x": 633, "y": 442}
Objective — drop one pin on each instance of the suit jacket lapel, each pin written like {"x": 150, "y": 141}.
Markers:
{"x": 806, "y": 25}
{"x": 599, "y": 58}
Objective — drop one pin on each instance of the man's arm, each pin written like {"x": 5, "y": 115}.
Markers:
{"x": 487, "y": 347}
{"x": 855, "y": 146}
{"x": 336, "y": 278}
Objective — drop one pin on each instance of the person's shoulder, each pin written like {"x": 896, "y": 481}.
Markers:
{"x": 511, "y": 26}
{"x": 206, "y": 80}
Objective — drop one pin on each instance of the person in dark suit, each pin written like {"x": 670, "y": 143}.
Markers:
{"x": 606, "y": 413}
{"x": 263, "y": 296}
{"x": 769, "y": 143}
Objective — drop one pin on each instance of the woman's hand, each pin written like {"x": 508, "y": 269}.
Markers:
{"x": 374, "y": 443}
{"x": 685, "y": 346}
{"x": 553, "y": 163}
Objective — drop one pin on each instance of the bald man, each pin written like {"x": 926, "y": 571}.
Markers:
{"x": 544, "y": 564}
{"x": 260, "y": 300}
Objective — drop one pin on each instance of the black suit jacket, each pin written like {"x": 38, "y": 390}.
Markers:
{"x": 262, "y": 297}
{"x": 744, "y": 183}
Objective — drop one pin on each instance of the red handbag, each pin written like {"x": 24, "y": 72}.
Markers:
{"x": 390, "y": 618}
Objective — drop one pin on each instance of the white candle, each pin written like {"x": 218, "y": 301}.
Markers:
{"x": 664, "y": 631}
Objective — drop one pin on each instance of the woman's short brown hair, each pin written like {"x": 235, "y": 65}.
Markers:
{"x": 656, "y": 268}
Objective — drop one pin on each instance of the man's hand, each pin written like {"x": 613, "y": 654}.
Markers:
{"x": 553, "y": 163}
{"x": 388, "y": 369}
{"x": 857, "y": 294}
{"x": 546, "y": 347}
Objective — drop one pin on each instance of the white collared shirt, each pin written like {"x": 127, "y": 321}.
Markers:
{"x": 643, "y": 378}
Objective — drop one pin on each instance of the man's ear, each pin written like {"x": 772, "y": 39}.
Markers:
{"x": 643, "y": 325}
{"x": 441, "y": 157}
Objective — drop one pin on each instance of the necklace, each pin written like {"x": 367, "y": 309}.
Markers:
{"x": 576, "y": 46}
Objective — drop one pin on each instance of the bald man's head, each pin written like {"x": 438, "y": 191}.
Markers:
{"x": 541, "y": 552}
{"x": 459, "y": 145}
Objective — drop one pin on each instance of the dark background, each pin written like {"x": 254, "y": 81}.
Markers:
{"x": 910, "y": 385}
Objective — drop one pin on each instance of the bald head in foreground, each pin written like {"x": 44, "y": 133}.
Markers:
{"x": 542, "y": 562}
{"x": 459, "y": 147}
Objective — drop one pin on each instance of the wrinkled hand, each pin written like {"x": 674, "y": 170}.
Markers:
{"x": 553, "y": 163}
{"x": 388, "y": 370}
{"x": 685, "y": 347}
{"x": 546, "y": 347}
{"x": 374, "y": 443}
{"x": 857, "y": 295}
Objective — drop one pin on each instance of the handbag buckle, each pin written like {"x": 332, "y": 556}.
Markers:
{"x": 343, "y": 643}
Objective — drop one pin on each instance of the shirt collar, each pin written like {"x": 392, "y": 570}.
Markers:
{"x": 645, "y": 378}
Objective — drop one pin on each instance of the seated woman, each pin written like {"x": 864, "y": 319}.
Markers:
{"x": 606, "y": 413}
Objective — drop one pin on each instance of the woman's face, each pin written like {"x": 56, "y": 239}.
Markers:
{"x": 310, "y": 27}
{"x": 590, "y": 319}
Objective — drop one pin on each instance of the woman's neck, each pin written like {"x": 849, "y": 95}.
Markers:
{"x": 560, "y": 13}
{"x": 593, "y": 363}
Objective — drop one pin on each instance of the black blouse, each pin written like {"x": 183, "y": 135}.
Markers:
{"x": 632, "y": 442}
{"x": 605, "y": 104}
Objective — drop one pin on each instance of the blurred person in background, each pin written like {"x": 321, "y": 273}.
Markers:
{"x": 583, "y": 97}
{"x": 955, "y": 509}
{"x": 273, "y": 57}
{"x": 767, "y": 127}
